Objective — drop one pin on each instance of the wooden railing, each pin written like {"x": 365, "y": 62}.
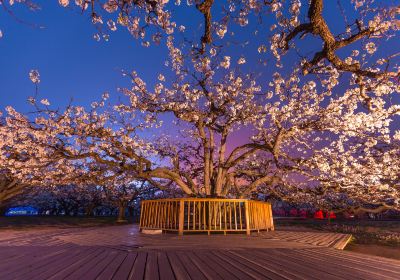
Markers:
{"x": 206, "y": 215}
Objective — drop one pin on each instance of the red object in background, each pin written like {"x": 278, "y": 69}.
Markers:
{"x": 293, "y": 212}
{"x": 318, "y": 215}
{"x": 330, "y": 215}
{"x": 303, "y": 213}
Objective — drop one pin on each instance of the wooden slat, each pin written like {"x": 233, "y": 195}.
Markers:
{"x": 335, "y": 267}
{"x": 112, "y": 267}
{"x": 376, "y": 268}
{"x": 126, "y": 266}
{"x": 113, "y": 253}
{"x": 30, "y": 261}
{"x": 59, "y": 264}
{"x": 42, "y": 266}
{"x": 139, "y": 266}
{"x": 164, "y": 267}
{"x": 82, "y": 270}
{"x": 272, "y": 270}
{"x": 78, "y": 263}
{"x": 100, "y": 266}
{"x": 192, "y": 269}
{"x": 208, "y": 271}
{"x": 221, "y": 262}
{"x": 151, "y": 271}
{"x": 242, "y": 265}
{"x": 296, "y": 268}
{"x": 177, "y": 266}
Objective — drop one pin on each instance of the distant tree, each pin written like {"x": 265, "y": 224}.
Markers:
{"x": 123, "y": 195}
{"x": 9, "y": 188}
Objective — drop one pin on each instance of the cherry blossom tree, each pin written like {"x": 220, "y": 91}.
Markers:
{"x": 10, "y": 186}
{"x": 319, "y": 127}
{"x": 296, "y": 135}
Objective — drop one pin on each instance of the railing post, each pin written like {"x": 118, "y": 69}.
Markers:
{"x": 181, "y": 216}
{"x": 271, "y": 217}
{"x": 246, "y": 213}
{"x": 141, "y": 215}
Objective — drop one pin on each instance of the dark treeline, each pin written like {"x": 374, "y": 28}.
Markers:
{"x": 122, "y": 202}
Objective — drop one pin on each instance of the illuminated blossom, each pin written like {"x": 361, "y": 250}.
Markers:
{"x": 226, "y": 62}
{"x": 45, "y": 102}
{"x": 370, "y": 47}
{"x": 241, "y": 60}
{"x": 63, "y": 3}
{"x": 34, "y": 76}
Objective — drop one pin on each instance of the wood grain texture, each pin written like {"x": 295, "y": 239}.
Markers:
{"x": 122, "y": 252}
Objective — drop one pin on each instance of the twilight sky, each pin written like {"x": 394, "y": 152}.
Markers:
{"x": 73, "y": 65}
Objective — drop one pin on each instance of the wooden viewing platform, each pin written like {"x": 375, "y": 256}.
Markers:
{"x": 206, "y": 215}
{"x": 121, "y": 252}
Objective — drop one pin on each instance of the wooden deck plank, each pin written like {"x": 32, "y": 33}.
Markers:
{"x": 297, "y": 266}
{"x": 331, "y": 238}
{"x": 80, "y": 261}
{"x": 377, "y": 269}
{"x": 151, "y": 271}
{"x": 223, "y": 272}
{"x": 221, "y": 262}
{"x": 59, "y": 264}
{"x": 215, "y": 266}
{"x": 17, "y": 254}
{"x": 76, "y": 274}
{"x": 252, "y": 266}
{"x": 114, "y": 253}
{"x": 324, "y": 239}
{"x": 100, "y": 266}
{"x": 342, "y": 243}
{"x": 164, "y": 267}
{"x": 338, "y": 268}
{"x": 271, "y": 271}
{"x": 139, "y": 266}
{"x": 177, "y": 266}
{"x": 125, "y": 269}
{"x": 362, "y": 259}
{"x": 192, "y": 269}
{"x": 33, "y": 269}
{"x": 30, "y": 261}
{"x": 347, "y": 255}
{"x": 46, "y": 265}
{"x": 112, "y": 267}
{"x": 272, "y": 267}
{"x": 208, "y": 272}
{"x": 325, "y": 266}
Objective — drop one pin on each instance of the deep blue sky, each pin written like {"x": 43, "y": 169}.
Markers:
{"x": 71, "y": 63}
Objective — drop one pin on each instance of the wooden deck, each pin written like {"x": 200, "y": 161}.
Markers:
{"x": 121, "y": 252}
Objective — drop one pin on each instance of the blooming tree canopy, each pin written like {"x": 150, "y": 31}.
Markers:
{"x": 315, "y": 122}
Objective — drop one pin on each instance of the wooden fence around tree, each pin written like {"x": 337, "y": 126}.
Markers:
{"x": 206, "y": 215}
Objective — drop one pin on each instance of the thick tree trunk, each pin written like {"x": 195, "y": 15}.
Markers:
{"x": 131, "y": 211}
{"x": 90, "y": 211}
{"x": 121, "y": 212}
